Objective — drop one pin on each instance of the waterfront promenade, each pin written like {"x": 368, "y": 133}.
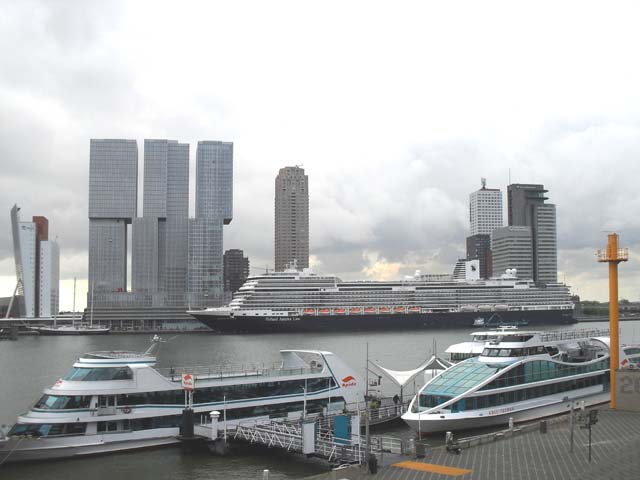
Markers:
{"x": 527, "y": 456}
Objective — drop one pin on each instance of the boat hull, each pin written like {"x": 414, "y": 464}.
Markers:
{"x": 556, "y": 407}
{"x": 18, "y": 449}
{"x": 387, "y": 321}
{"x": 70, "y": 331}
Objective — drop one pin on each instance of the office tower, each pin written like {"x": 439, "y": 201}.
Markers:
{"x": 291, "y": 219}
{"x": 37, "y": 266}
{"x": 485, "y": 215}
{"x": 527, "y": 207}
{"x": 49, "y": 279}
{"x": 113, "y": 197}
{"x": 205, "y": 278}
{"x": 159, "y": 259}
{"x": 485, "y": 210}
{"x": 214, "y": 180}
{"x": 214, "y": 208}
{"x": 24, "y": 251}
{"x": 236, "y": 269}
{"x": 511, "y": 247}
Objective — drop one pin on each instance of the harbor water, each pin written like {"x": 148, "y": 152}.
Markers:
{"x": 33, "y": 363}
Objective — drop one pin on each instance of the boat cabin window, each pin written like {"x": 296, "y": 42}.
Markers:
{"x": 79, "y": 374}
{"x": 513, "y": 352}
{"x": 63, "y": 402}
{"x": 48, "y": 429}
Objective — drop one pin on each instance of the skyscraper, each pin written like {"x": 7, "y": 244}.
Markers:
{"x": 485, "y": 215}
{"x": 37, "y": 266}
{"x": 214, "y": 208}
{"x": 527, "y": 207}
{"x": 214, "y": 180}
{"x": 485, "y": 210}
{"x": 49, "y": 279}
{"x": 113, "y": 197}
{"x": 236, "y": 269}
{"x": 159, "y": 260}
{"x": 291, "y": 219}
{"x": 511, "y": 247}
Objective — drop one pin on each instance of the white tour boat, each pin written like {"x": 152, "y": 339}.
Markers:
{"x": 118, "y": 400}
{"x": 519, "y": 375}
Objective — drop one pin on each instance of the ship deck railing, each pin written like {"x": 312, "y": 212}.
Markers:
{"x": 218, "y": 372}
{"x": 574, "y": 334}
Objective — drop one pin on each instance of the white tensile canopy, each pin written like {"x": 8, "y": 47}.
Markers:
{"x": 403, "y": 377}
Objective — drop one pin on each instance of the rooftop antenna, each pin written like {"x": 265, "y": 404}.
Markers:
{"x": 483, "y": 182}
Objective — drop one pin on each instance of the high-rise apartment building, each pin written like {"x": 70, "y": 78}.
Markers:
{"x": 113, "y": 198}
{"x": 485, "y": 215}
{"x": 291, "y": 219}
{"x": 159, "y": 259}
{"x": 527, "y": 207}
{"x": 37, "y": 266}
{"x": 236, "y": 269}
{"x": 511, "y": 247}
{"x": 214, "y": 208}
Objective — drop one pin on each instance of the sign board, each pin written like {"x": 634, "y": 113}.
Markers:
{"x": 187, "y": 382}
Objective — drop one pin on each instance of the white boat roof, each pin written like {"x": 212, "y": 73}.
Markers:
{"x": 466, "y": 347}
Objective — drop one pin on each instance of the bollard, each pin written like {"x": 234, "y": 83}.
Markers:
{"x": 448, "y": 439}
{"x": 214, "y": 423}
{"x": 265, "y": 474}
{"x": 543, "y": 426}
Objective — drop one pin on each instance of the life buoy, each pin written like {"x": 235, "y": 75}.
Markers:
{"x": 126, "y": 409}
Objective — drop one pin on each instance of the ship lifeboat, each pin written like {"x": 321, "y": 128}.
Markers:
{"x": 399, "y": 309}
{"x": 414, "y": 309}
{"x": 355, "y": 310}
{"x": 385, "y": 310}
{"x": 324, "y": 311}
{"x": 339, "y": 311}
{"x": 309, "y": 311}
{"x": 369, "y": 310}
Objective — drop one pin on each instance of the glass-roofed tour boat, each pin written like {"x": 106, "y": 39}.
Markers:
{"x": 118, "y": 400}
{"x": 518, "y": 374}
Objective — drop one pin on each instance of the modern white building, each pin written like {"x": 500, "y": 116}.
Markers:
{"x": 27, "y": 236}
{"x": 485, "y": 210}
{"x": 49, "y": 278}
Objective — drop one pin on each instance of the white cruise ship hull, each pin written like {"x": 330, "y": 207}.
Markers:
{"x": 497, "y": 416}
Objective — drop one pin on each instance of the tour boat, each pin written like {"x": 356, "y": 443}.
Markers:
{"x": 519, "y": 375}
{"x": 118, "y": 400}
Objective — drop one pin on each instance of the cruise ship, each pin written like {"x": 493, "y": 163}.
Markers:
{"x": 519, "y": 375}
{"x": 118, "y": 400}
{"x": 303, "y": 301}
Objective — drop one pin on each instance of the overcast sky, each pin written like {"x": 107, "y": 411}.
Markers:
{"x": 395, "y": 110}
